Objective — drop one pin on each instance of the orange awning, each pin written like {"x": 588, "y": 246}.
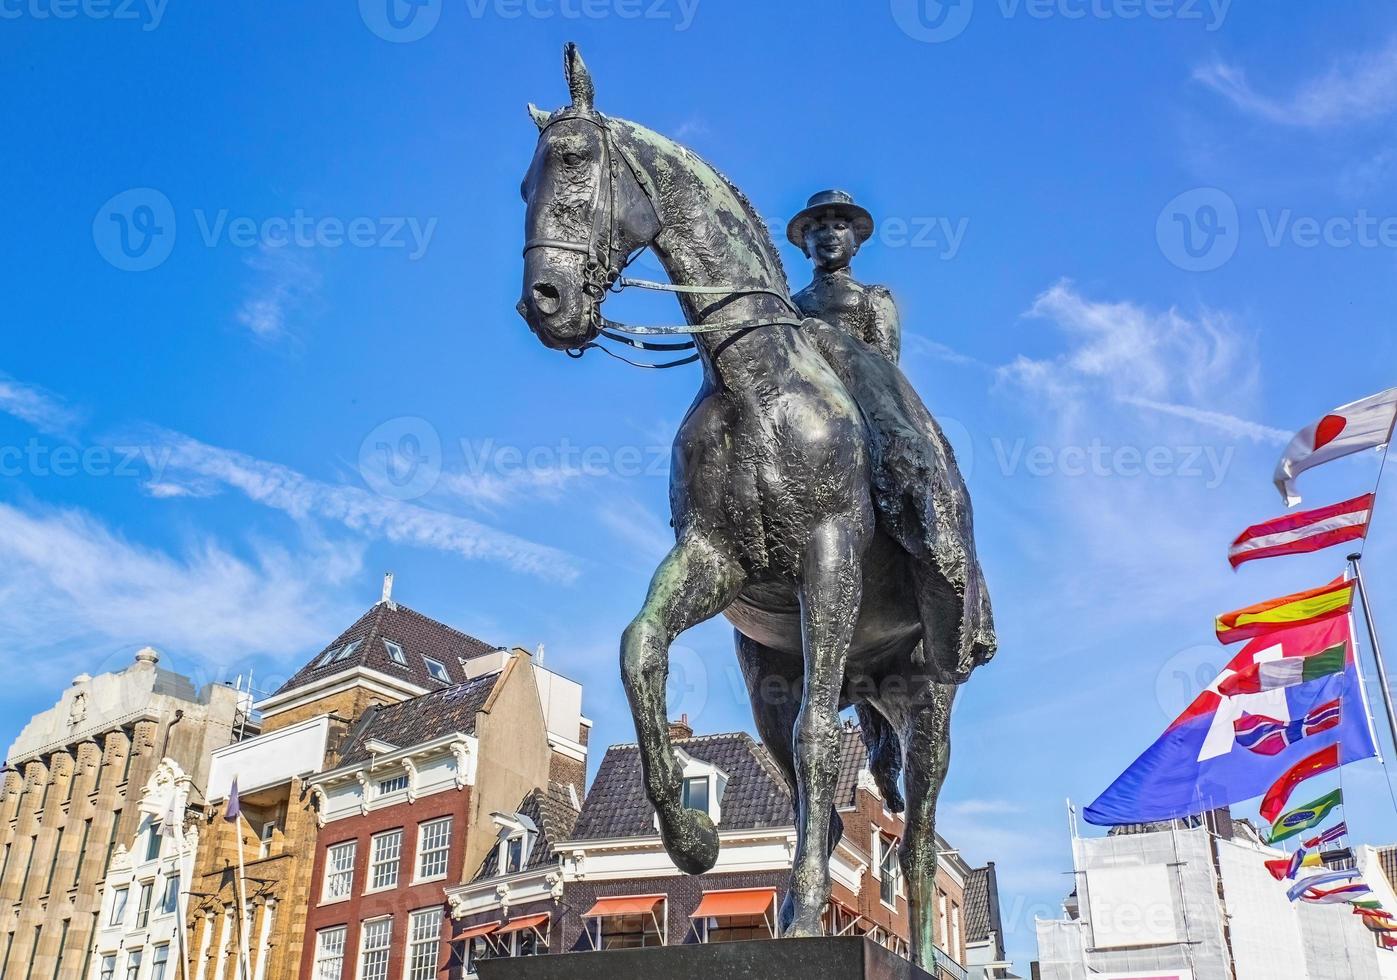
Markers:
{"x": 745, "y": 901}
{"x": 474, "y": 932}
{"x": 625, "y": 905}
{"x": 522, "y": 923}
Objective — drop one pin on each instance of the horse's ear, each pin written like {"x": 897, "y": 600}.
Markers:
{"x": 539, "y": 116}
{"x": 579, "y": 78}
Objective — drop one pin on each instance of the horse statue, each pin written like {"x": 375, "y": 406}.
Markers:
{"x": 815, "y": 501}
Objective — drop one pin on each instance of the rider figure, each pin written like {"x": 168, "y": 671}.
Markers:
{"x": 829, "y": 231}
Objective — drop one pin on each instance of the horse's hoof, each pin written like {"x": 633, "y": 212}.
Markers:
{"x": 805, "y": 930}
{"x": 692, "y": 842}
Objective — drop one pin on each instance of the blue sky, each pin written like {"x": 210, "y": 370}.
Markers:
{"x": 1133, "y": 249}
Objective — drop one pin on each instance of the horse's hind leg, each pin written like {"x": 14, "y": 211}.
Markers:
{"x": 831, "y": 592}
{"x": 926, "y": 741}
{"x": 695, "y": 582}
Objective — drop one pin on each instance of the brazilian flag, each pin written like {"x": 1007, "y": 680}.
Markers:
{"x": 1302, "y": 818}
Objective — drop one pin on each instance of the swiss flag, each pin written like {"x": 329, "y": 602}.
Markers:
{"x": 1364, "y": 424}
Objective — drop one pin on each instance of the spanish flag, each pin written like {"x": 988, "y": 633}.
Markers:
{"x": 1299, "y": 609}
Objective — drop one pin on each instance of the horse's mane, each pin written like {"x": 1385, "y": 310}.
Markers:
{"x": 759, "y": 226}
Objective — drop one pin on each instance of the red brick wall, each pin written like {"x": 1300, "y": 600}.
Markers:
{"x": 399, "y": 902}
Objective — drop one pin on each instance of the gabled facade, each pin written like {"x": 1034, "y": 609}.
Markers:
{"x": 73, "y": 784}
{"x": 608, "y": 883}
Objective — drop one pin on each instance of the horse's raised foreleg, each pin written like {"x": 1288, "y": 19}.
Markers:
{"x": 694, "y": 582}
{"x": 926, "y": 741}
{"x": 831, "y": 592}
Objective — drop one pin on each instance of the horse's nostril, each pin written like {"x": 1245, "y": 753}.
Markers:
{"x": 547, "y": 298}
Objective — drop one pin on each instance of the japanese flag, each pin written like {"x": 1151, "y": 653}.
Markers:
{"x": 1364, "y": 424}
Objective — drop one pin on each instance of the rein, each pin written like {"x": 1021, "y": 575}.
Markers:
{"x": 603, "y": 274}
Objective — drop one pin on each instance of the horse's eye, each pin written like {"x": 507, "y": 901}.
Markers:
{"x": 572, "y": 159}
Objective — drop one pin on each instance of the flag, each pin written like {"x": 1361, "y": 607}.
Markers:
{"x": 1283, "y": 869}
{"x": 1336, "y": 896}
{"x": 1304, "y": 532}
{"x": 1325, "y": 760}
{"x": 1304, "y": 818}
{"x": 1336, "y": 832}
{"x": 1268, "y": 736}
{"x": 1314, "y": 883}
{"x": 1272, "y": 675}
{"x": 1372, "y": 906}
{"x": 234, "y": 809}
{"x": 1291, "y": 610}
{"x": 1197, "y": 764}
{"x": 1352, "y": 428}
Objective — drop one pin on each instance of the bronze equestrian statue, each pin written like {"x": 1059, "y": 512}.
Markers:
{"x": 815, "y": 501}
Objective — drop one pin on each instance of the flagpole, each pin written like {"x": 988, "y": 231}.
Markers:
{"x": 1356, "y": 565}
{"x": 242, "y": 906}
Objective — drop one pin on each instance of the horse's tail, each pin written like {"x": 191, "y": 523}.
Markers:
{"x": 884, "y": 755}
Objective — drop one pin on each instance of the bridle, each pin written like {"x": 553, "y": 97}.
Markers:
{"x": 605, "y": 264}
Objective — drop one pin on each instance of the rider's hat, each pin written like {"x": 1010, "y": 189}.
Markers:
{"x": 825, "y": 202}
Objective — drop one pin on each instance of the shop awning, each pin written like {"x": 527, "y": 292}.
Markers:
{"x": 745, "y": 901}
{"x": 624, "y": 905}
{"x": 522, "y": 923}
{"x": 475, "y": 932}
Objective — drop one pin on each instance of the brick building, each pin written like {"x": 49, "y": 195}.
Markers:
{"x": 608, "y": 883}
{"x": 72, "y": 784}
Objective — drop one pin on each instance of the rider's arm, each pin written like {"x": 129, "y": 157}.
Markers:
{"x": 886, "y": 334}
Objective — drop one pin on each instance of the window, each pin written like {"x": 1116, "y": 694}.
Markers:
{"x": 109, "y": 967}
{"x": 111, "y": 844}
{"x": 119, "y": 897}
{"x": 339, "y": 872}
{"x": 696, "y": 793}
{"x": 143, "y": 906}
{"x": 133, "y": 964}
{"x": 628, "y": 932}
{"x": 53, "y": 864}
{"x": 423, "y": 944}
{"x": 373, "y": 949}
{"x": 159, "y": 962}
{"x": 513, "y": 861}
{"x": 437, "y": 670}
{"x": 346, "y": 651}
{"x": 63, "y": 948}
{"x": 386, "y": 854}
{"x": 153, "y": 842}
{"x": 170, "y": 903}
{"x": 528, "y": 942}
{"x": 28, "y": 866}
{"x": 265, "y": 837}
{"x": 737, "y": 928}
{"x": 82, "y": 852}
{"x": 395, "y": 653}
{"x": 477, "y": 949}
{"x": 325, "y": 660}
{"x": 393, "y": 784}
{"x": 433, "y": 848}
{"x": 889, "y": 871}
{"x": 329, "y": 954}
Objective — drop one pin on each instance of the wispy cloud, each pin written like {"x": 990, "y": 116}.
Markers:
{"x": 915, "y": 343}
{"x": 40, "y": 408}
{"x": 285, "y": 280}
{"x": 1227, "y": 424}
{"x": 1364, "y": 87}
{"x": 193, "y": 463}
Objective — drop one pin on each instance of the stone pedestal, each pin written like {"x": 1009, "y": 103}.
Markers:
{"x": 837, "y": 958}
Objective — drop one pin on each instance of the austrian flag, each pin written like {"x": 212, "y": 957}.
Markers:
{"x": 1302, "y": 533}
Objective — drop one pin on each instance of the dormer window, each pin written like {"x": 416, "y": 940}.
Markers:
{"x": 395, "y": 653}
{"x": 438, "y": 670}
{"x": 393, "y": 784}
{"x": 703, "y": 785}
{"x": 518, "y": 834}
{"x": 346, "y": 651}
{"x": 696, "y": 793}
{"x": 513, "y": 855}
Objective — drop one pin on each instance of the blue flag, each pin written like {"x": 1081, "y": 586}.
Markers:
{"x": 234, "y": 810}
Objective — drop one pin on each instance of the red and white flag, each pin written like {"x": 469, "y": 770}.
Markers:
{"x": 1364, "y": 424}
{"x": 1303, "y": 532}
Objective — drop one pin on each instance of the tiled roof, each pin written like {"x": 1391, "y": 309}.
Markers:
{"x": 853, "y": 759}
{"x": 756, "y": 794}
{"x": 419, "y": 637}
{"x": 552, "y": 810}
{"x": 977, "y": 906}
{"x": 420, "y": 719}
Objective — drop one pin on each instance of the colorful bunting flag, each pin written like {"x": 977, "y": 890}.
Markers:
{"x": 1304, "y": 532}
{"x": 1285, "y": 869}
{"x": 1269, "y": 736}
{"x": 1336, "y": 896}
{"x": 1298, "y": 609}
{"x": 1325, "y": 760}
{"x": 1364, "y": 424}
{"x": 1334, "y": 833}
{"x": 1316, "y": 882}
{"x": 1304, "y": 818}
{"x": 1275, "y": 675}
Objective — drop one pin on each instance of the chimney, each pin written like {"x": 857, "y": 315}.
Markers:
{"x": 388, "y": 591}
{"x": 680, "y": 729}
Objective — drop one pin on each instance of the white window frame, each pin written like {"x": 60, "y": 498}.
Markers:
{"x": 396, "y": 653}
{"x": 386, "y": 949}
{"x": 121, "y": 898}
{"x": 346, "y": 651}
{"x": 265, "y": 836}
{"x": 422, "y": 852}
{"x": 377, "y": 861}
{"x": 145, "y": 901}
{"x": 445, "y": 675}
{"x": 156, "y": 961}
{"x": 889, "y": 867}
{"x": 333, "y": 872}
{"x": 171, "y": 881}
{"x": 325, "y": 955}
{"x": 391, "y": 785}
{"x": 414, "y": 941}
{"x": 108, "y": 960}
